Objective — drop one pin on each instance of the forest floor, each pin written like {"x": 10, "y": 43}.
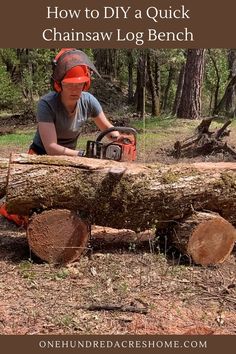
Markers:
{"x": 168, "y": 294}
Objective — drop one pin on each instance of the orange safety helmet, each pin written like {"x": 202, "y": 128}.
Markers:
{"x": 72, "y": 66}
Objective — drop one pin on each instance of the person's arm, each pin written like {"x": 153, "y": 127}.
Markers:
{"x": 48, "y": 136}
{"x": 103, "y": 123}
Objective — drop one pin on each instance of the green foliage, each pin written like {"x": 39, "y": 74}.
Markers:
{"x": 41, "y": 70}
{"x": 25, "y": 74}
{"x": 9, "y": 94}
{"x": 220, "y": 56}
{"x": 216, "y": 68}
{"x": 62, "y": 273}
{"x": 26, "y": 270}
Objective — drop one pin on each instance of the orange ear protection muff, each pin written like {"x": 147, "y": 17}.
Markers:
{"x": 57, "y": 86}
{"x": 88, "y": 74}
{"x": 76, "y": 71}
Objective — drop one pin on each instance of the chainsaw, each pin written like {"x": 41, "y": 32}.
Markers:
{"x": 124, "y": 149}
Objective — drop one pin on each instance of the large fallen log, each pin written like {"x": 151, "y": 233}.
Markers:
{"x": 128, "y": 195}
{"x": 120, "y": 195}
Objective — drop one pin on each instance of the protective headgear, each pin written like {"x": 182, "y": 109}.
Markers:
{"x": 72, "y": 66}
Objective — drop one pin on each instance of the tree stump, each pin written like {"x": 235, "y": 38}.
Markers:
{"x": 206, "y": 237}
{"x": 205, "y": 142}
{"x": 57, "y": 236}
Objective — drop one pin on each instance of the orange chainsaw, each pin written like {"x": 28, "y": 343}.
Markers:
{"x": 124, "y": 149}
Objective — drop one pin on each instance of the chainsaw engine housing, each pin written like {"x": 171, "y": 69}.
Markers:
{"x": 122, "y": 150}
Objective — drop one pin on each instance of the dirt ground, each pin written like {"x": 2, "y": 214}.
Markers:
{"x": 175, "y": 296}
{"x": 139, "y": 289}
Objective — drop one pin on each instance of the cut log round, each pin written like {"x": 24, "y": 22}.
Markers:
{"x": 206, "y": 237}
{"x": 57, "y": 236}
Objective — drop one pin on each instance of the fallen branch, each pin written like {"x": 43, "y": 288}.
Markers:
{"x": 120, "y": 308}
{"x": 204, "y": 142}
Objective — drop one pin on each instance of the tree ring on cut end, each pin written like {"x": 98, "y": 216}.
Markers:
{"x": 57, "y": 236}
{"x": 212, "y": 241}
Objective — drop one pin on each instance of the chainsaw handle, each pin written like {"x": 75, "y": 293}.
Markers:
{"x": 119, "y": 129}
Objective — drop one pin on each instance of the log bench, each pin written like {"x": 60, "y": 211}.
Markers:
{"x": 64, "y": 196}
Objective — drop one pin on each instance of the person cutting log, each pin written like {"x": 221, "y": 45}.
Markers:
{"x": 62, "y": 113}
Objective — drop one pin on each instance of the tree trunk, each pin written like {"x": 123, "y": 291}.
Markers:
{"x": 155, "y": 98}
{"x": 141, "y": 83}
{"x": 157, "y": 76}
{"x": 167, "y": 88}
{"x": 190, "y": 103}
{"x": 227, "y": 103}
{"x": 179, "y": 90}
{"x": 217, "y": 85}
{"x": 120, "y": 195}
{"x": 105, "y": 61}
{"x": 231, "y": 97}
{"x": 231, "y": 86}
{"x": 206, "y": 237}
{"x": 130, "y": 77}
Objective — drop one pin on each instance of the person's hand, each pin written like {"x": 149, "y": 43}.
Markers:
{"x": 114, "y": 136}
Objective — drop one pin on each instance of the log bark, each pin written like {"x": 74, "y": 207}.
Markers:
{"x": 57, "y": 236}
{"x": 206, "y": 237}
{"x": 120, "y": 195}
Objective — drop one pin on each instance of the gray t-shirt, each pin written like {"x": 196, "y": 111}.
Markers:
{"x": 50, "y": 109}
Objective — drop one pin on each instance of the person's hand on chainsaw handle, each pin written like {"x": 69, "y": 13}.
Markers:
{"x": 103, "y": 123}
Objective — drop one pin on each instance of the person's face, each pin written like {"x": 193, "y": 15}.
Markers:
{"x": 72, "y": 92}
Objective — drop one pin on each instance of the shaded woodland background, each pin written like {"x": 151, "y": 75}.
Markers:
{"x": 187, "y": 83}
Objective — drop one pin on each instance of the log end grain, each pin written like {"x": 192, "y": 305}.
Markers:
{"x": 211, "y": 241}
{"x": 57, "y": 236}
